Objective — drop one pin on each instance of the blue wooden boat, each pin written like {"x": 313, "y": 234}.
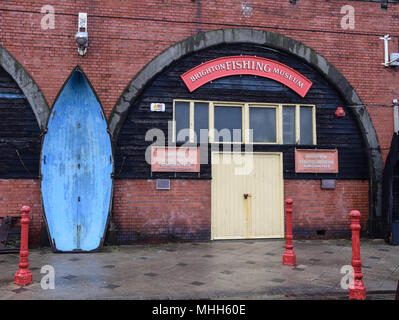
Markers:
{"x": 76, "y": 168}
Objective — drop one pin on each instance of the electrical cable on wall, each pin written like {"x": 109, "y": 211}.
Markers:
{"x": 206, "y": 23}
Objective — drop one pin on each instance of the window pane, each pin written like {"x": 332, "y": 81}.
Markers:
{"x": 200, "y": 119}
{"x": 289, "y": 125}
{"x": 263, "y": 123}
{"x": 182, "y": 118}
{"x": 227, "y": 119}
{"x": 306, "y": 130}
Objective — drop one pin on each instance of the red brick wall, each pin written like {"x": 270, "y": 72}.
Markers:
{"x": 316, "y": 209}
{"x": 143, "y": 214}
{"x": 16, "y": 193}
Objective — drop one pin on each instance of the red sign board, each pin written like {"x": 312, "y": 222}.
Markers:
{"x": 236, "y": 65}
{"x": 316, "y": 161}
{"x": 175, "y": 159}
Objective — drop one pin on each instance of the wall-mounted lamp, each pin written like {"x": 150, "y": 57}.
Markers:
{"x": 81, "y": 37}
{"x": 340, "y": 113}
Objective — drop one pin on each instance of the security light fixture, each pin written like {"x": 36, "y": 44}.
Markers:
{"x": 82, "y": 37}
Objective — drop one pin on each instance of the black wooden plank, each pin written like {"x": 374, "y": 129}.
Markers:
{"x": 18, "y": 132}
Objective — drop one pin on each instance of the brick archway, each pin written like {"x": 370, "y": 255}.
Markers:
{"x": 28, "y": 86}
{"x": 296, "y": 49}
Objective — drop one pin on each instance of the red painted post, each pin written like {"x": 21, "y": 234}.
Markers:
{"x": 357, "y": 290}
{"x": 289, "y": 257}
{"x": 23, "y": 275}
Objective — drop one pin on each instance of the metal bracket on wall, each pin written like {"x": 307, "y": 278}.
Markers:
{"x": 384, "y": 4}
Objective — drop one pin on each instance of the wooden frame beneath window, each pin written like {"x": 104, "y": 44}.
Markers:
{"x": 246, "y": 120}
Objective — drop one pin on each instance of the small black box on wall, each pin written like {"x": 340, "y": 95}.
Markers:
{"x": 328, "y": 184}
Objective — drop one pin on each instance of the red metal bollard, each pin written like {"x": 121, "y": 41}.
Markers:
{"x": 23, "y": 275}
{"x": 357, "y": 290}
{"x": 289, "y": 257}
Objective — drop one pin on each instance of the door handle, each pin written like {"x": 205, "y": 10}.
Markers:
{"x": 248, "y": 195}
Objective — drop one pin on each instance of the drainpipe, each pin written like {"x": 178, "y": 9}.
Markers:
{"x": 395, "y": 116}
{"x": 386, "y": 38}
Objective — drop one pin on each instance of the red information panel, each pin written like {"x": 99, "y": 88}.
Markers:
{"x": 316, "y": 161}
{"x": 236, "y": 65}
{"x": 175, "y": 159}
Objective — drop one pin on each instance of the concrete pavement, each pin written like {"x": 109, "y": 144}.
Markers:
{"x": 247, "y": 269}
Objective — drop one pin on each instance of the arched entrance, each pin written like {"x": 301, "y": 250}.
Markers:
{"x": 294, "y": 48}
{"x": 390, "y": 197}
{"x": 23, "y": 116}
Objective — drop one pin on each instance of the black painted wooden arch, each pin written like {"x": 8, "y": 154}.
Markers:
{"x": 23, "y": 116}
{"x": 296, "y": 49}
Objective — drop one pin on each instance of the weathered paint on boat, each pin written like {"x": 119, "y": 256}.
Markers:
{"x": 76, "y": 169}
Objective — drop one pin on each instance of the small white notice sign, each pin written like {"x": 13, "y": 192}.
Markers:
{"x": 159, "y": 107}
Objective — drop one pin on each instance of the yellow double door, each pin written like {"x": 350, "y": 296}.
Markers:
{"x": 247, "y": 196}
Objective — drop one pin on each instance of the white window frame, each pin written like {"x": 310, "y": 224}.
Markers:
{"x": 245, "y": 120}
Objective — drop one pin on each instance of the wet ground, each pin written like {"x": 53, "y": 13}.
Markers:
{"x": 250, "y": 269}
